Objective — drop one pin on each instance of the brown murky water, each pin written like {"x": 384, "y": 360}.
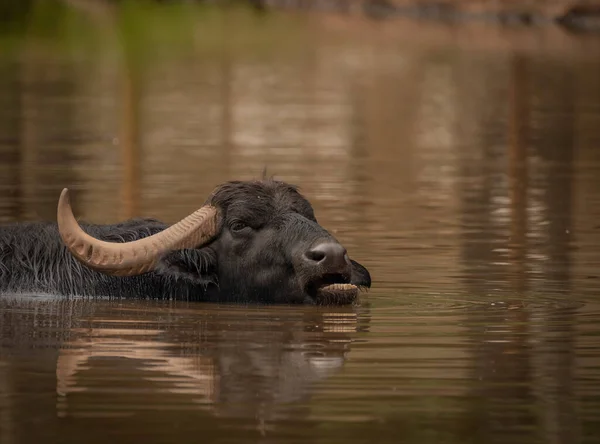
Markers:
{"x": 465, "y": 178}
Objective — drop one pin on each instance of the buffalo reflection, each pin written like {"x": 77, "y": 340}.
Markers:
{"x": 233, "y": 361}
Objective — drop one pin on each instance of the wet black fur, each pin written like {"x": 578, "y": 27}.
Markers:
{"x": 266, "y": 227}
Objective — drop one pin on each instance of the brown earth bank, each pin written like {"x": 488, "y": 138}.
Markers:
{"x": 576, "y": 14}
{"x": 472, "y": 35}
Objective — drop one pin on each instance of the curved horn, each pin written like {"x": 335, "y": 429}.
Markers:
{"x": 137, "y": 257}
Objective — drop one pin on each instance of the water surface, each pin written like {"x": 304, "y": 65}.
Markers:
{"x": 465, "y": 176}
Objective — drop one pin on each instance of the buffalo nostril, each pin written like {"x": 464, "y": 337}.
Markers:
{"x": 328, "y": 254}
{"x": 315, "y": 255}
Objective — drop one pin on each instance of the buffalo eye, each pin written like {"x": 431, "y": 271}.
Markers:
{"x": 238, "y": 226}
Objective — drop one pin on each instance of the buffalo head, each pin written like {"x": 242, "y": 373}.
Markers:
{"x": 250, "y": 241}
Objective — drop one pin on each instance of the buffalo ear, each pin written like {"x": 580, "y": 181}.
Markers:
{"x": 198, "y": 267}
{"x": 360, "y": 275}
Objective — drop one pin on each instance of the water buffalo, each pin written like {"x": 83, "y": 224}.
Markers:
{"x": 254, "y": 241}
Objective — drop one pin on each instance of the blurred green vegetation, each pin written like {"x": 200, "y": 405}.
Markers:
{"x": 145, "y": 27}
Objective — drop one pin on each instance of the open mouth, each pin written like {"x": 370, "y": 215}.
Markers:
{"x": 332, "y": 289}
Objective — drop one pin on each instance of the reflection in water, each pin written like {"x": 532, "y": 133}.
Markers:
{"x": 240, "y": 363}
{"x": 113, "y": 359}
{"x": 129, "y": 142}
{"x": 517, "y": 343}
{"x": 6, "y": 410}
{"x": 466, "y": 180}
